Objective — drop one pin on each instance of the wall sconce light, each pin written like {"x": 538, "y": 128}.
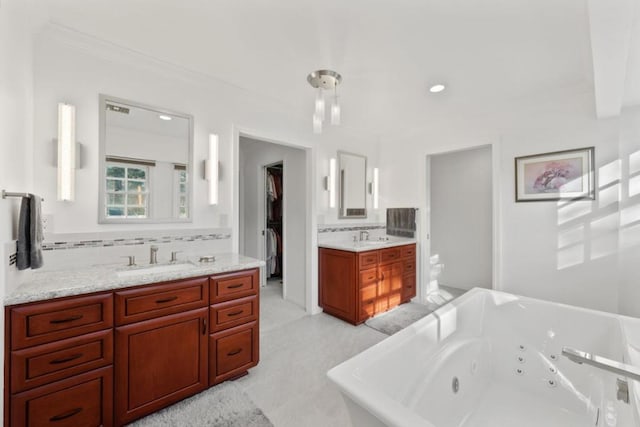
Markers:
{"x": 66, "y": 152}
{"x": 373, "y": 188}
{"x": 330, "y": 183}
{"x": 211, "y": 169}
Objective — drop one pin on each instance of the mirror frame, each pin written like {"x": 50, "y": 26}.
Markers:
{"x": 102, "y": 115}
{"x": 339, "y": 189}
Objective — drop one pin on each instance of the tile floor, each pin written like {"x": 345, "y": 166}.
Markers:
{"x": 296, "y": 350}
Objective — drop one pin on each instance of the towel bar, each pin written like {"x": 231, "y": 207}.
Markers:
{"x": 6, "y": 194}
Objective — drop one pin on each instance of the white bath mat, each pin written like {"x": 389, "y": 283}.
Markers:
{"x": 399, "y": 318}
{"x": 224, "y": 405}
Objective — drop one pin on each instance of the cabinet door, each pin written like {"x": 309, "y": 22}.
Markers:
{"x": 389, "y": 286}
{"x": 338, "y": 283}
{"x": 408, "y": 287}
{"x": 159, "y": 362}
{"x": 232, "y": 352}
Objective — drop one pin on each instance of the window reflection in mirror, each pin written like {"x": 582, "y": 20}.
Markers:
{"x": 352, "y": 176}
{"x": 145, "y": 165}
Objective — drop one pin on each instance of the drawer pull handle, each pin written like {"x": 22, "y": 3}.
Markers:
{"x": 66, "y": 320}
{"x": 66, "y": 359}
{"x": 235, "y": 313}
{"x": 371, "y": 277}
{"x": 370, "y": 301}
{"x": 66, "y": 415}
{"x": 168, "y": 299}
{"x": 234, "y": 352}
{"x": 234, "y": 286}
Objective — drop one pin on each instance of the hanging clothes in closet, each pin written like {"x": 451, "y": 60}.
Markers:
{"x": 274, "y": 222}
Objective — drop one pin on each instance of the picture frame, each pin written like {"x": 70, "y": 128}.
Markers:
{"x": 557, "y": 175}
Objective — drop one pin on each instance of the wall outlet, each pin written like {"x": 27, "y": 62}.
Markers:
{"x": 47, "y": 223}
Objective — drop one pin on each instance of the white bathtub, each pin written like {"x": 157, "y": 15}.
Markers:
{"x": 505, "y": 352}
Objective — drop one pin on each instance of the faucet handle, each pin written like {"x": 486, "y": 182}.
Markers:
{"x": 174, "y": 255}
{"x": 132, "y": 259}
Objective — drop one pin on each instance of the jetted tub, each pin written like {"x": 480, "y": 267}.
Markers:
{"x": 492, "y": 359}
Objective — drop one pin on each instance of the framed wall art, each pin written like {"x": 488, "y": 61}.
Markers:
{"x": 560, "y": 175}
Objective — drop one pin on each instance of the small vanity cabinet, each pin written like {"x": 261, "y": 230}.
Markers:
{"x": 357, "y": 285}
{"x": 109, "y": 358}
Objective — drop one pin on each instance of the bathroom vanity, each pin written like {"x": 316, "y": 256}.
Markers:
{"x": 359, "y": 280}
{"x": 134, "y": 345}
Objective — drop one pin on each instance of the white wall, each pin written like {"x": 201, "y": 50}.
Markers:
{"x": 254, "y": 155}
{"x": 461, "y": 217}
{"x": 568, "y": 253}
{"x": 18, "y": 22}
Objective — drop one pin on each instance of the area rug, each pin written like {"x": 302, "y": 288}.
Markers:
{"x": 224, "y": 405}
{"x": 399, "y": 318}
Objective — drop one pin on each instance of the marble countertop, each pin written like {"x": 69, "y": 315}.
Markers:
{"x": 45, "y": 285}
{"x": 367, "y": 245}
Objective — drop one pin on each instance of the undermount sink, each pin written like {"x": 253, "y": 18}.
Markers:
{"x": 373, "y": 242}
{"x": 156, "y": 269}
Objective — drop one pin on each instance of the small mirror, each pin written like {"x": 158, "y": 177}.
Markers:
{"x": 145, "y": 168}
{"x": 352, "y": 183}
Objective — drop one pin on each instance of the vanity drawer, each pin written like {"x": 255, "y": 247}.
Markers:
{"x": 389, "y": 255}
{"x": 235, "y": 285}
{"x": 368, "y": 277}
{"x": 408, "y": 287}
{"x": 158, "y": 300}
{"x": 84, "y": 400}
{"x": 409, "y": 266}
{"x": 233, "y": 313}
{"x": 367, "y": 259}
{"x": 46, "y": 363}
{"x": 408, "y": 251}
{"x": 232, "y": 352}
{"x": 41, "y": 323}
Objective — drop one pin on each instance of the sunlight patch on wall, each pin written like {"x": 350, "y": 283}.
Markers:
{"x": 629, "y": 215}
{"x": 570, "y": 256}
{"x": 573, "y": 210}
{"x": 634, "y": 162}
{"x": 610, "y": 173}
{"x": 634, "y": 186}
{"x": 630, "y": 236}
{"x": 571, "y": 236}
{"x": 610, "y": 195}
{"x": 604, "y": 246}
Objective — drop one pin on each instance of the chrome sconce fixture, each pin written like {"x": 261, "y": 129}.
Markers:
{"x": 373, "y": 188}
{"x": 323, "y": 80}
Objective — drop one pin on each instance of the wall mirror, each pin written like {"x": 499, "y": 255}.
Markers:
{"x": 145, "y": 163}
{"x": 352, "y": 183}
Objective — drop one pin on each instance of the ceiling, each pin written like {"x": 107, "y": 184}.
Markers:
{"x": 491, "y": 54}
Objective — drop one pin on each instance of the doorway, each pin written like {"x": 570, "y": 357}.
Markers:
{"x": 273, "y": 219}
{"x": 460, "y": 201}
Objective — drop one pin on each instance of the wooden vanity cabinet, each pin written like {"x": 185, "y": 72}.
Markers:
{"x": 153, "y": 345}
{"x": 355, "y": 286}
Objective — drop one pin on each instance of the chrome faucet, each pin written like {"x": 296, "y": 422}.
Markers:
{"x": 364, "y": 233}
{"x": 153, "y": 259}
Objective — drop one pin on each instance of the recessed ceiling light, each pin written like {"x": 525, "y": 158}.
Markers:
{"x": 164, "y": 117}
{"x": 436, "y": 88}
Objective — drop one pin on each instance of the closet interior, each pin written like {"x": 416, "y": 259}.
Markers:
{"x": 274, "y": 221}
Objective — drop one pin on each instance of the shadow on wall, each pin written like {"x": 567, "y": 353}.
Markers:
{"x": 592, "y": 230}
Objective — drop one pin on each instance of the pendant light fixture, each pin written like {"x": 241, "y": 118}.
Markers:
{"x": 325, "y": 80}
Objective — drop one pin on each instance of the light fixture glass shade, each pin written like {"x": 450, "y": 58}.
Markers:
{"x": 335, "y": 111}
{"x": 320, "y": 104}
{"x": 332, "y": 183}
{"x": 211, "y": 169}
{"x": 66, "y": 151}
{"x": 374, "y": 190}
{"x": 317, "y": 123}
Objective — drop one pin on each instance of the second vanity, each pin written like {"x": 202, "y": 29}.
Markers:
{"x": 98, "y": 347}
{"x": 361, "y": 279}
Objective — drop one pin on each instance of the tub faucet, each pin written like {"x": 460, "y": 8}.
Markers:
{"x": 153, "y": 258}
{"x": 364, "y": 233}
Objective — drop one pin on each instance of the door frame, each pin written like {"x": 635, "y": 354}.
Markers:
{"x": 311, "y": 247}
{"x": 496, "y": 232}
